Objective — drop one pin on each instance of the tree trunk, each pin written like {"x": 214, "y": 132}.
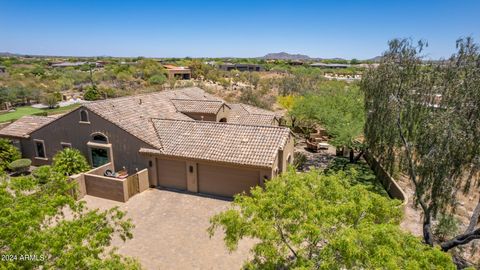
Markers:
{"x": 352, "y": 155}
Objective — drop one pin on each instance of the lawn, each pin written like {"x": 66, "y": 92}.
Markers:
{"x": 27, "y": 110}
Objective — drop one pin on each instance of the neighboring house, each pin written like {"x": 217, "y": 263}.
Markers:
{"x": 3, "y": 69}
{"x": 323, "y": 65}
{"x": 187, "y": 138}
{"x": 181, "y": 73}
{"x": 241, "y": 67}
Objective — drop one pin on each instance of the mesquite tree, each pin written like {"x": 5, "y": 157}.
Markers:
{"x": 424, "y": 119}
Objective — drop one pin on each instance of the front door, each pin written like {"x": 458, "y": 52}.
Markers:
{"x": 99, "y": 156}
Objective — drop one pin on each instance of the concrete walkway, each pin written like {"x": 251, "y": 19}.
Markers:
{"x": 170, "y": 231}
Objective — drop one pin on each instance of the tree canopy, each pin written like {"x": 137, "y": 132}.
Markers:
{"x": 45, "y": 223}
{"x": 423, "y": 118}
{"x": 318, "y": 221}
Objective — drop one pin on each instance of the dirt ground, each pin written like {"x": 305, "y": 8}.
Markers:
{"x": 171, "y": 231}
{"x": 319, "y": 159}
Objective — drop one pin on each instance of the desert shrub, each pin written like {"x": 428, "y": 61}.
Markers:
{"x": 8, "y": 153}
{"x": 446, "y": 227}
{"x": 157, "y": 79}
{"x": 91, "y": 93}
{"x": 42, "y": 174}
{"x": 70, "y": 161}
{"x": 20, "y": 165}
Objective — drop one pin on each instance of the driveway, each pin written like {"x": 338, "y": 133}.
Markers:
{"x": 170, "y": 231}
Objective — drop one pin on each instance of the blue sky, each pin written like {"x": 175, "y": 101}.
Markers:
{"x": 348, "y": 28}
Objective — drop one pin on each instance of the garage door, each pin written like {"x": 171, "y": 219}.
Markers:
{"x": 225, "y": 181}
{"x": 172, "y": 174}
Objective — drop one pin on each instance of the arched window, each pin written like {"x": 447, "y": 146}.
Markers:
{"x": 223, "y": 120}
{"x": 99, "y": 137}
{"x": 84, "y": 116}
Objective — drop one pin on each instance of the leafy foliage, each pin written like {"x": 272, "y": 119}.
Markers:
{"x": 70, "y": 161}
{"x": 339, "y": 111}
{"x": 43, "y": 173}
{"x": 20, "y": 164}
{"x": 312, "y": 220}
{"x": 33, "y": 221}
{"x": 8, "y": 153}
{"x": 425, "y": 119}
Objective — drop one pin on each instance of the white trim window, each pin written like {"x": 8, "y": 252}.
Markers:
{"x": 84, "y": 117}
{"x": 66, "y": 145}
{"x": 40, "y": 151}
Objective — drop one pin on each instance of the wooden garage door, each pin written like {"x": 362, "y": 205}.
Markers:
{"x": 225, "y": 181}
{"x": 172, "y": 174}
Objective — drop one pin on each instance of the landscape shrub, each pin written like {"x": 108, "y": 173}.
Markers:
{"x": 8, "y": 153}
{"x": 70, "y": 161}
{"x": 20, "y": 165}
{"x": 91, "y": 93}
{"x": 42, "y": 174}
{"x": 157, "y": 79}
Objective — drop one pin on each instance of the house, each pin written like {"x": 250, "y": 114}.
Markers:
{"x": 187, "y": 139}
{"x": 3, "y": 69}
{"x": 323, "y": 65}
{"x": 181, "y": 73}
{"x": 241, "y": 67}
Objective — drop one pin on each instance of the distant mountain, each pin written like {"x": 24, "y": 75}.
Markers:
{"x": 285, "y": 56}
{"x": 375, "y": 59}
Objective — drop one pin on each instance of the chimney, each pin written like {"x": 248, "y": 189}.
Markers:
{"x": 140, "y": 101}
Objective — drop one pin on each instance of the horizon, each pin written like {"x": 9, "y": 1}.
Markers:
{"x": 213, "y": 29}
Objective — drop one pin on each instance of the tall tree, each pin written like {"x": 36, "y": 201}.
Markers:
{"x": 339, "y": 110}
{"x": 424, "y": 118}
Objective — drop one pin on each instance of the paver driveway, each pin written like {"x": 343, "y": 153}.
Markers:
{"x": 170, "y": 231}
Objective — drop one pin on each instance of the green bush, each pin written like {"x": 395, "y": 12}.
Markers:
{"x": 70, "y": 161}
{"x": 8, "y": 153}
{"x": 91, "y": 93}
{"x": 42, "y": 174}
{"x": 20, "y": 165}
{"x": 157, "y": 79}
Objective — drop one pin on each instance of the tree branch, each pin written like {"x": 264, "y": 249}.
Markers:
{"x": 460, "y": 240}
{"x": 427, "y": 233}
{"x": 474, "y": 218}
{"x": 282, "y": 236}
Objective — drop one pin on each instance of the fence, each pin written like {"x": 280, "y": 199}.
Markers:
{"x": 94, "y": 183}
{"x": 392, "y": 187}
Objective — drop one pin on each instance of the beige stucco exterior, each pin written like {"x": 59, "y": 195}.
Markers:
{"x": 204, "y": 176}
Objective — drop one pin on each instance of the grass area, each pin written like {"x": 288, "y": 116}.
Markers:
{"x": 27, "y": 110}
{"x": 365, "y": 175}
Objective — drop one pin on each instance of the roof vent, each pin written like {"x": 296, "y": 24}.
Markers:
{"x": 244, "y": 140}
{"x": 139, "y": 101}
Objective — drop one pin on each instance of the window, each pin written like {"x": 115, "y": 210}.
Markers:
{"x": 99, "y": 157}
{"x": 223, "y": 120}
{"x": 98, "y": 137}
{"x": 40, "y": 149}
{"x": 84, "y": 116}
{"x": 65, "y": 145}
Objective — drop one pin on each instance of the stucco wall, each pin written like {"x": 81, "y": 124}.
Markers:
{"x": 68, "y": 129}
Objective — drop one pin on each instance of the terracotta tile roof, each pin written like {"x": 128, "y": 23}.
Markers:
{"x": 23, "y": 127}
{"x": 133, "y": 113}
{"x": 197, "y": 106}
{"x": 221, "y": 142}
{"x": 249, "y": 115}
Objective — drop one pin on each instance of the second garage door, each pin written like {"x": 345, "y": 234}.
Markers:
{"x": 225, "y": 181}
{"x": 172, "y": 174}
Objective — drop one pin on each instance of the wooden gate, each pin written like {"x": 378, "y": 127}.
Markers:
{"x": 133, "y": 185}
